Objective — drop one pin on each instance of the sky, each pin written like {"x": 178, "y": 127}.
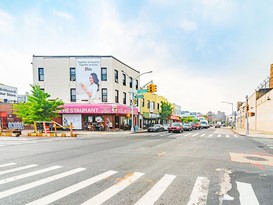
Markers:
{"x": 201, "y": 52}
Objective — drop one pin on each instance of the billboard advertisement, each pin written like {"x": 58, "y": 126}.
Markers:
{"x": 88, "y": 72}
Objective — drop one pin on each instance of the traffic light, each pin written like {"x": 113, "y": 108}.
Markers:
{"x": 247, "y": 108}
{"x": 251, "y": 114}
{"x": 150, "y": 88}
{"x": 154, "y": 88}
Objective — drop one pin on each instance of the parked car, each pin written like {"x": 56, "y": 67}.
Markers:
{"x": 166, "y": 127}
{"x": 187, "y": 126}
{"x": 156, "y": 128}
{"x": 175, "y": 127}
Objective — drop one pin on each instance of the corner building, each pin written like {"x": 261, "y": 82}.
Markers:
{"x": 93, "y": 88}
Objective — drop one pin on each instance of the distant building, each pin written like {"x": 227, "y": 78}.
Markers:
{"x": 8, "y": 94}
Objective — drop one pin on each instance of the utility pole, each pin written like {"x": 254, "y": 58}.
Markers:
{"x": 247, "y": 108}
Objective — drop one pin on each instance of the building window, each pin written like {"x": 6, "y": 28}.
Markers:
{"x": 137, "y": 102}
{"x": 158, "y": 107}
{"x": 41, "y": 75}
{"x": 72, "y": 74}
{"x": 136, "y": 84}
{"x": 124, "y": 79}
{"x": 73, "y": 95}
{"x": 104, "y": 94}
{"x": 124, "y": 98}
{"x": 148, "y": 104}
{"x": 131, "y": 82}
{"x": 143, "y": 102}
{"x": 116, "y": 96}
{"x": 116, "y": 76}
{"x": 103, "y": 74}
{"x": 153, "y": 104}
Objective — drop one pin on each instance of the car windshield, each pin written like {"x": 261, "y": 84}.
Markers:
{"x": 175, "y": 124}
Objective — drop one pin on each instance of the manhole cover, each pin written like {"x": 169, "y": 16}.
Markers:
{"x": 256, "y": 158}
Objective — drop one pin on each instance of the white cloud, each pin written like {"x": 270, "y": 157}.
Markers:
{"x": 63, "y": 14}
{"x": 188, "y": 26}
{"x": 6, "y": 22}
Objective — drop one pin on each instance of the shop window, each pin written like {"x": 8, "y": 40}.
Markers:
{"x": 124, "y": 79}
{"x": 116, "y": 96}
{"x": 103, "y": 74}
{"x": 124, "y": 98}
{"x": 116, "y": 76}
{"x": 72, "y": 74}
{"x": 73, "y": 95}
{"x": 41, "y": 75}
{"x": 131, "y": 82}
{"x": 104, "y": 94}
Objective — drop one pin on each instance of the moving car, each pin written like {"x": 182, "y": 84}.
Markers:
{"x": 187, "y": 126}
{"x": 156, "y": 128}
{"x": 195, "y": 125}
{"x": 175, "y": 127}
{"x": 218, "y": 125}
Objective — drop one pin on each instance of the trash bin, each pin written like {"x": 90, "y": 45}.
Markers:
{"x": 135, "y": 128}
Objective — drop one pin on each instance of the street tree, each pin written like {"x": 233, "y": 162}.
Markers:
{"x": 166, "y": 110}
{"x": 38, "y": 107}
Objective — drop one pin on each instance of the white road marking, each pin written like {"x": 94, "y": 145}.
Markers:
{"x": 8, "y": 164}
{"x": 227, "y": 136}
{"x": 22, "y": 176}
{"x": 188, "y": 134}
{"x": 195, "y": 135}
{"x": 200, "y": 192}
{"x": 210, "y": 135}
{"x": 71, "y": 189}
{"x": 18, "y": 169}
{"x": 157, "y": 190}
{"x": 1, "y": 145}
{"x": 218, "y": 135}
{"x": 202, "y": 135}
{"x": 38, "y": 183}
{"x": 235, "y": 135}
{"x": 247, "y": 195}
{"x": 113, "y": 190}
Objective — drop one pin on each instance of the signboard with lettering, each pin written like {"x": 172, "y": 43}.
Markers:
{"x": 8, "y": 93}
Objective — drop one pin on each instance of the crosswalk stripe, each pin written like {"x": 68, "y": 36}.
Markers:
{"x": 119, "y": 186}
{"x": 235, "y": 135}
{"x": 202, "y": 135}
{"x": 38, "y": 183}
{"x": 1, "y": 145}
{"x": 247, "y": 195}
{"x": 194, "y": 135}
{"x": 8, "y": 164}
{"x": 227, "y": 136}
{"x": 22, "y": 176}
{"x": 210, "y": 135}
{"x": 200, "y": 192}
{"x": 188, "y": 134}
{"x": 18, "y": 169}
{"x": 152, "y": 196}
{"x": 65, "y": 192}
{"x": 218, "y": 135}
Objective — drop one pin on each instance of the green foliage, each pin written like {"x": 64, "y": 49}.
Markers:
{"x": 166, "y": 110}
{"x": 188, "y": 119}
{"x": 38, "y": 107}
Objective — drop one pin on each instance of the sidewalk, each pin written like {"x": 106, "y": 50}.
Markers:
{"x": 253, "y": 133}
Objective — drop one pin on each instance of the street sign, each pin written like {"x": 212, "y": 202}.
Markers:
{"x": 142, "y": 91}
{"x": 139, "y": 96}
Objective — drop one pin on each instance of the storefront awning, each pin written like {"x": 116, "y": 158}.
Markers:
{"x": 97, "y": 108}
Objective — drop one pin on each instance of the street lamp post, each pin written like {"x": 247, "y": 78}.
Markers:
{"x": 232, "y": 113}
{"x": 133, "y": 79}
{"x": 247, "y": 124}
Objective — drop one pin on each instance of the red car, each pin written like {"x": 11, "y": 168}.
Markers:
{"x": 175, "y": 127}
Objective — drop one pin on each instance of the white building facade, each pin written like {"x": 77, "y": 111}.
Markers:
{"x": 93, "y": 88}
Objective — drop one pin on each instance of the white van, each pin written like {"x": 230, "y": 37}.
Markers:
{"x": 204, "y": 124}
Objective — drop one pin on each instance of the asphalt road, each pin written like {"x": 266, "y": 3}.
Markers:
{"x": 212, "y": 166}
